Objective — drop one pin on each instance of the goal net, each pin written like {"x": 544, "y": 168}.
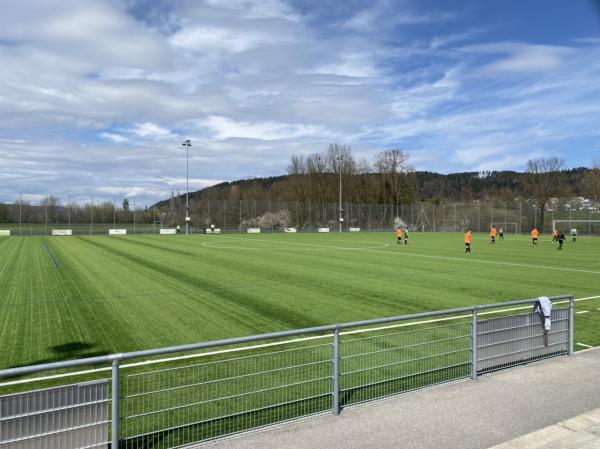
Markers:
{"x": 583, "y": 227}
{"x": 508, "y": 227}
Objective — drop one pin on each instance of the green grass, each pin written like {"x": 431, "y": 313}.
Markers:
{"x": 105, "y": 294}
{"x": 72, "y": 297}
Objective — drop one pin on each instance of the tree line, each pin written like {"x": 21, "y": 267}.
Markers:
{"x": 312, "y": 184}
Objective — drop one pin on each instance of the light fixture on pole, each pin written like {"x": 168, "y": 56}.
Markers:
{"x": 187, "y": 144}
{"x": 341, "y": 158}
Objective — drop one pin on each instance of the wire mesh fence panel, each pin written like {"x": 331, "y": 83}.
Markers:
{"x": 68, "y": 417}
{"x": 97, "y": 217}
{"x": 171, "y": 407}
{"x": 374, "y": 366}
{"x": 506, "y": 341}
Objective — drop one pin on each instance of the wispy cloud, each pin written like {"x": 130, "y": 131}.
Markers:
{"x": 96, "y": 96}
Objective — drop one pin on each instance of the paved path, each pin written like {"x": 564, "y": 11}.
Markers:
{"x": 581, "y": 432}
{"x": 468, "y": 415}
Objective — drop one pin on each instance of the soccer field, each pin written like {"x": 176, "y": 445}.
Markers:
{"x": 70, "y": 297}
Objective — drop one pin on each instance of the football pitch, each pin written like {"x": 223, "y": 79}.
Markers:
{"x": 72, "y": 297}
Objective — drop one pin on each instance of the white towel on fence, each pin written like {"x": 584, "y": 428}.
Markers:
{"x": 544, "y": 307}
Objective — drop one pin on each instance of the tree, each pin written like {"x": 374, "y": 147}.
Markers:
{"x": 4, "y": 213}
{"x": 125, "y": 205}
{"x": 592, "y": 181}
{"x": 543, "y": 181}
{"x": 392, "y": 165}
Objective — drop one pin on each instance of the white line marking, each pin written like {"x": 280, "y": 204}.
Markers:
{"x": 295, "y": 340}
{"x": 429, "y": 256}
{"x": 584, "y": 345}
{"x": 583, "y": 311}
{"x": 492, "y": 262}
{"x": 216, "y": 245}
{"x": 314, "y": 246}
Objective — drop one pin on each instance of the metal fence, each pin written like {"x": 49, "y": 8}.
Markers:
{"x": 70, "y": 417}
{"x": 219, "y": 388}
{"x": 514, "y": 216}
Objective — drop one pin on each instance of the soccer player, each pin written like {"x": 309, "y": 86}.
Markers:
{"x": 561, "y": 238}
{"x": 574, "y": 234}
{"x": 493, "y": 235}
{"x": 406, "y": 236}
{"x": 468, "y": 242}
{"x": 534, "y": 237}
{"x": 399, "y": 236}
{"x": 554, "y": 235}
{"x": 501, "y": 233}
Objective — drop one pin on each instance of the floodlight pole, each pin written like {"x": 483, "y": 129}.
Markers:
{"x": 341, "y": 158}
{"x": 187, "y": 144}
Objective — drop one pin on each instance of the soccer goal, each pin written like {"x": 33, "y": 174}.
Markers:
{"x": 583, "y": 227}
{"x": 509, "y": 227}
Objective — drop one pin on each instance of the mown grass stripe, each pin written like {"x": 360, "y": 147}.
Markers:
{"x": 51, "y": 255}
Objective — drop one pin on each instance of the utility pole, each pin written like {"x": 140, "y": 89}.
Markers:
{"x": 187, "y": 144}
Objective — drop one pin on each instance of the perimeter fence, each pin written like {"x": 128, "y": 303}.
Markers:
{"x": 210, "y": 390}
{"x": 514, "y": 216}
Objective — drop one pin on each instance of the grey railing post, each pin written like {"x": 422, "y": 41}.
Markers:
{"x": 115, "y": 405}
{"x": 571, "y": 323}
{"x": 474, "y": 344}
{"x": 336, "y": 371}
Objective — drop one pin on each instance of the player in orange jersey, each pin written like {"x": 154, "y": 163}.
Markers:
{"x": 534, "y": 236}
{"x": 493, "y": 233}
{"x": 399, "y": 236}
{"x": 468, "y": 242}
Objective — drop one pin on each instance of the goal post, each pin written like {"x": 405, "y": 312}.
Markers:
{"x": 509, "y": 227}
{"x": 583, "y": 227}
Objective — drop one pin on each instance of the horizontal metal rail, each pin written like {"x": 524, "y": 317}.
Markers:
{"x": 524, "y": 326}
{"x": 398, "y": 348}
{"x": 404, "y": 332}
{"x": 232, "y": 415}
{"x": 223, "y": 379}
{"x": 240, "y": 340}
{"x": 526, "y": 350}
{"x": 402, "y": 362}
{"x": 406, "y": 376}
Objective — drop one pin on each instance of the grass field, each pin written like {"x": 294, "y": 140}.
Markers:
{"x": 69, "y": 297}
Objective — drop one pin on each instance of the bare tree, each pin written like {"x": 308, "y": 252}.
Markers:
{"x": 544, "y": 181}
{"x": 392, "y": 165}
{"x": 592, "y": 181}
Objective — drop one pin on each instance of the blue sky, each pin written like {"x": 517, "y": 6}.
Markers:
{"x": 96, "y": 96}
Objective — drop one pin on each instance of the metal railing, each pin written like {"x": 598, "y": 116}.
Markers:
{"x": 175, "y": 401}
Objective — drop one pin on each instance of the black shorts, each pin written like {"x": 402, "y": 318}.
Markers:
{"x": 534, "y": 239}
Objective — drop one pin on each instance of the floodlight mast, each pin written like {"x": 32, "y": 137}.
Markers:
{"x": 341, "y": 158}
{"x": 187, "y": 144}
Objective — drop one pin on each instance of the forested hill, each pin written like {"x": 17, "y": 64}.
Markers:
{"x": 375, "y": 187}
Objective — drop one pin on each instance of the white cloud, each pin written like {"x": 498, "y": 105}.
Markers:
{"x": 207, "y": 38}
{"x": 152, "y": 131}
{"x": 223, "y": 128}
{"x": 253, "y": 81}
{"x": 522, "y": 58}
{"x": 117, "y": 138}
{"x": 354, "y": 65}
